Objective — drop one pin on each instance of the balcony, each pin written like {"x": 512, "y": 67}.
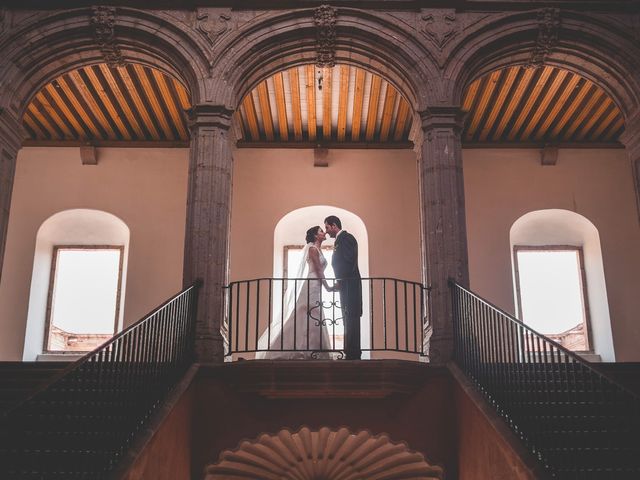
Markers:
{"x": 298, "y": 319}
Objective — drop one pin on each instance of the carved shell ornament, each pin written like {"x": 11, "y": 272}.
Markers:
{"x": 322, "y": 455}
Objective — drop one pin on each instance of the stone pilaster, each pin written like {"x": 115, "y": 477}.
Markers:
{"x": 630, "y": 138}
{"x": 207, "y": 225}
{"x": 10, "y": 141}
{"x": 444, "y": 234}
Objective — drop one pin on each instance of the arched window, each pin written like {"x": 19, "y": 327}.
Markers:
{"x": 559, "y": 280}
{"x": 289, "y": 240}
{"x": 77, "y": 287}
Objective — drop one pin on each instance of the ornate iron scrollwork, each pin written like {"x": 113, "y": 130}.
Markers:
{"x": 327, "y": 306}
{"x": 325, "y": 17}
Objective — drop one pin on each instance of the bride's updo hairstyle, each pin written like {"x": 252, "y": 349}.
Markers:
{"x": 311, "y": 234}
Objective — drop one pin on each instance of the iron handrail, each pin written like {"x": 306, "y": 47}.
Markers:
{"x": 577, "y": 358}
{"x": 576, "y": 420}
{"x": 254, "y": 306}
{"x": 127, "y": 376}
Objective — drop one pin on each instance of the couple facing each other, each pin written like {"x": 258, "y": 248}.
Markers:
{"x": 301, "y": 328}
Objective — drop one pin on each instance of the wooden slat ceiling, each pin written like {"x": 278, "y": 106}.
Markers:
{"x": 306, "y": 105}
{"x": 545, "y": 105}
{"x": 342, "y": 104}
{"x": 100, "y": 103}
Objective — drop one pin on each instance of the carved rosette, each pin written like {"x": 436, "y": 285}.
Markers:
{"x": 548, "y": 26}
{"x": 103, "y": 21}
{"x": 440, "y": 26}
{"x": 212, "y": 22}
{"x": 325, "y": 17}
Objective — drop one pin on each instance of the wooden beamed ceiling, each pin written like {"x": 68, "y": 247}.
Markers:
{"x": 342, "y": 104}
{"x": 100, "y": 103}
{"x": 545, "y": 105}
{"x": 306, "y": 105}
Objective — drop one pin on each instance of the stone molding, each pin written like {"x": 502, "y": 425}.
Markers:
{"x": 212, "y": 22}
{"x": 103, "y": 21}
{"x": 548, "y": 27}
{"x": 440, "y": 26}
{"x": 325, "y": 18}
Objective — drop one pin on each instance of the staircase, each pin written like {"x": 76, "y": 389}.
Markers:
{"x": 577, "y": 419}
{"x": 20, "y": 379}
{"x": 79, "y": 426}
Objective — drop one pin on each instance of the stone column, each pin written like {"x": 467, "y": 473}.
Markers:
{"x": 444, "y": 233}
{"x": 630, "y": 138}
{"x": 10, "y": 141}
{"x": 206, "y": 248}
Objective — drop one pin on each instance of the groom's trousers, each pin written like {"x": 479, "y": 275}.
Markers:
{"x": 351, "y": 303}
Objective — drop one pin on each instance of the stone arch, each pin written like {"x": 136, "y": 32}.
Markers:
{"x": 376, "y": 42}
{"x": 46, "y": 45}
{"x": 324, "y": 453}
{"x": 587, "y": 45}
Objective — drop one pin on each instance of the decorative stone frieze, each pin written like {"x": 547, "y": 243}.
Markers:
{"x": 325, "y": 18}
{"x": 443, "y": 220}
{"x": 103, "y": 21}
{"x": 548, "y": 26}
{"x": 208, "y": 222}
{"x": 212, "y": 22}
{"x": 440, "y": 26}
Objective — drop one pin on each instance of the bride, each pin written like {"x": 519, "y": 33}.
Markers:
{"x": 300, "y": 330}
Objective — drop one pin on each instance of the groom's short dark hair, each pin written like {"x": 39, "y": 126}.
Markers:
{"x": 333, "y": 220}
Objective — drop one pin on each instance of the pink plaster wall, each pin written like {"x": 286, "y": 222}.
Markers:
{"x": 379, "y": 186}
{"x": 146, "y": 188}
{"x": 501, "y": 185}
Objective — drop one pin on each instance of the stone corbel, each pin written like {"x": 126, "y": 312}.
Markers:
{"x": 549, "y": 155}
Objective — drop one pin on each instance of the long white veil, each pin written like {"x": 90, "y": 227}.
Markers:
{"x": 282, "y": 315}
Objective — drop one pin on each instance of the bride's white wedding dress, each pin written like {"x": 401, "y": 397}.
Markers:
{"x": 300, "y": 330}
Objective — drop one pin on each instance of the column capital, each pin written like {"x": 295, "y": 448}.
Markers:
{"x": 207, "y": 115}
{"x": 630, "y": 138}
{"x": 449, "y": 116}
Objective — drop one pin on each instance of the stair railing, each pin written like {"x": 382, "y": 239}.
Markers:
{"x": 552, "y": 399}
{"x": 98, "y": 403}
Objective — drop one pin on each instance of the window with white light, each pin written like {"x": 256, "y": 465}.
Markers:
{"x": 550, "y": 283}
{"x": 84, "y": 297}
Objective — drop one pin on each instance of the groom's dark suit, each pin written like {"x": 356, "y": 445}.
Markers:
{"x": 345, "y": 266}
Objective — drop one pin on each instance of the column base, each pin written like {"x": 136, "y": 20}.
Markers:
{"x": 209, "y": 348}
{"x": 439, "y": 349}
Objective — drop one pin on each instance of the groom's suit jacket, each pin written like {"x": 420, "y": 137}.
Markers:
{"x": 345, "y": 265}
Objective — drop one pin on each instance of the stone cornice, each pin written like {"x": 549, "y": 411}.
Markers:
{"x": 325, "y": 379}
{"x": 458, "y": 5}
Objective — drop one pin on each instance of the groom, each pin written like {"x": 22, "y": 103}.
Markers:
{"x": 345, "y": 266}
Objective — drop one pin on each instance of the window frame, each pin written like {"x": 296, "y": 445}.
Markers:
{"x": 52, "y": 279}
{"x": 583, "y": 284}
{"x": 285, "y": 256}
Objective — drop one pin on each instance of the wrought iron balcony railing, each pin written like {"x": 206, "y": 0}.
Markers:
{"x": 276, "y": 318}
